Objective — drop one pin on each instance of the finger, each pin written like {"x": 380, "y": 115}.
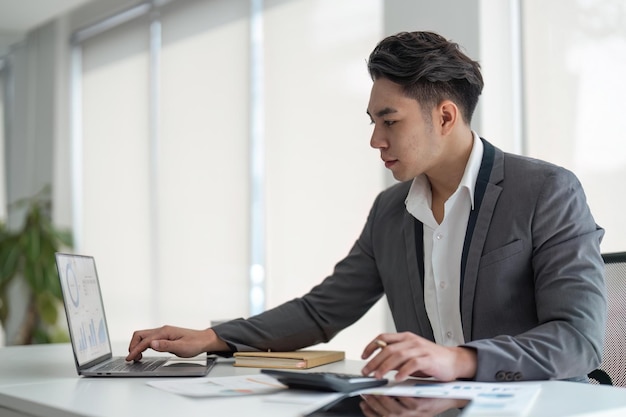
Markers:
{"x": 373, "y": 365}
{"x": 163, "y": 345}
{"x": 135, "y": 353}
{"x": 393, "y": 346}
{"x": 411, "y": 403}
{"x": 367, "y": 410}
{"x": 388, "y": 358}
{"x": 159, "y": 345}
{"x": 373, "y": 407}
{"x": 389, "y": 405}
{"x": 380, "y": 342}
{"x": 372, "y": 346}
{"x": 417, "y": 365}
{"x": 140, "y": 342}
{"x": 177, "y": 347}
{"x": 139, "y": 336}
{"x": 137, "y": 345}
{"x": 135, "y": 339}
{"x": 134, "y": 357}
{"x": 397, "y": 356}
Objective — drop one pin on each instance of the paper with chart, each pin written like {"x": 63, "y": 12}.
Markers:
{"x": 488, "y": 399}
{"x": 227, "y": 386}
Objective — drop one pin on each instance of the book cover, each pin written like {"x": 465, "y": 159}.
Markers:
{"x": 299, "y": 359}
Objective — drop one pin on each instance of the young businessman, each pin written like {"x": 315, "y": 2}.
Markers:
{"x": 490, "y": 261}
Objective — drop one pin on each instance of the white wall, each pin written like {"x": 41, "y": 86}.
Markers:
{"x": 575, "y": 61}
{"x": 185, "y": 261}
{"x": 322, "y": 175}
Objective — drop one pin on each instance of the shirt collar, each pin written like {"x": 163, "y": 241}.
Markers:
{"x": 473, "y": 166}
{"x": 419, "y": 198}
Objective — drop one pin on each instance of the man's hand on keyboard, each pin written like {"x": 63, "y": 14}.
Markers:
{"x": 181, "y": 342}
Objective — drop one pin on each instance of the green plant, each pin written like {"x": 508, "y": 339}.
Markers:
{"x": 28, "y": 254}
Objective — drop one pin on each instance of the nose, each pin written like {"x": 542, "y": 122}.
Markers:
{"x": 378, "y": 141}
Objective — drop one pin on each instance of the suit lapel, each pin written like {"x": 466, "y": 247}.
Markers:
{"x": 485, "y": 198}
{"x": 414, "y": 243}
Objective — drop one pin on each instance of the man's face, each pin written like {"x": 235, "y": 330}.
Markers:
{"x": 406, "y": 139}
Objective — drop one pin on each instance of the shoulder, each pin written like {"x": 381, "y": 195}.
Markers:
{"x": 543, "y": 190}
{"x": 390, "y": 203}
{"x": 393, "y": 197}
{"x": 509, "y": 168}
{"x": 536, "y": 172}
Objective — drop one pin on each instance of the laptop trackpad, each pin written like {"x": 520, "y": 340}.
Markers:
{"x": 176, "y": 363}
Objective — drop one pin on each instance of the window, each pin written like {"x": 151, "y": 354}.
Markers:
{"x": 166, "y": 203}
{"x": 575, "y": 58}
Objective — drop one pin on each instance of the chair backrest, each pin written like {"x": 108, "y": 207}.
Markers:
{"x": 614, "y": 358}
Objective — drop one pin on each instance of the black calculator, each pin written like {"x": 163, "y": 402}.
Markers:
{"x": 324, "y": 381}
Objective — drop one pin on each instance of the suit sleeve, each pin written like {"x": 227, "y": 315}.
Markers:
{"x": 337, "y": 302}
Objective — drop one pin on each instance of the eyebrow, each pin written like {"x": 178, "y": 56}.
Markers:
{"x": 383, "y": 112}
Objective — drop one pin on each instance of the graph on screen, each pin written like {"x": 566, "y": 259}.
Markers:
{"x": 84, "y": 309}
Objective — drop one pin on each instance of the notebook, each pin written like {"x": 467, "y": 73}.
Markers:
{"x": 89, "y": 334}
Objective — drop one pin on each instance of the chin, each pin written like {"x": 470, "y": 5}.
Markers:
{"x": 400, "y": 177}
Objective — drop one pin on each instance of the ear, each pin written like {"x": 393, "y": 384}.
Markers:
{"x": 448, "y": 116}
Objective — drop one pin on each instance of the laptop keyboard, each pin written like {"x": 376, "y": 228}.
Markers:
{"x": 120, "y": 365}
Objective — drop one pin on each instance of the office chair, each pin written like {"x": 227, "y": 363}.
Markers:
{"x": 612, "y": 370}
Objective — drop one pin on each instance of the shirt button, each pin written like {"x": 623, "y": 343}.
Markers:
{"x": 449, "y": 335}
{"x": 439, "y": 236}
{"x": 443, "y": 285}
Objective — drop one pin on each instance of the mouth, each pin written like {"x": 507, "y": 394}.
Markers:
{"x": 390, "y": 163}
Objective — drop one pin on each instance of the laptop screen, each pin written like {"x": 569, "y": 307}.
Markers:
{"x": 83, "y": 307}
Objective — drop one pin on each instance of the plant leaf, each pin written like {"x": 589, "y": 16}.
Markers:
{"x": 47, "y": 305}
{"x": 4, "y": 308}
{"x": 28, "y": 254}
{"x": 10, "y": 255}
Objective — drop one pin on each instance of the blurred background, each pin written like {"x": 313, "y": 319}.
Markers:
{"x": 213, "y": 155}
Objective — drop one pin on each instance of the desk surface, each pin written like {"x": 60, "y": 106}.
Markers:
{"x": 41, "y": 381}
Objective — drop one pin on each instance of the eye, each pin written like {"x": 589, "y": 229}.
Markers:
{"x": 389, "y": 122}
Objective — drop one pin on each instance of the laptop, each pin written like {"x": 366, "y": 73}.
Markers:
{"x": 89, "y": 334}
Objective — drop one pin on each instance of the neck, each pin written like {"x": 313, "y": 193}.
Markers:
{"x": 447, "y": 176}
{"x": 445, "y": 179}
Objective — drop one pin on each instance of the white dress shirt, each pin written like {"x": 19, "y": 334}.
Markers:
{"x": 443, "y": 247}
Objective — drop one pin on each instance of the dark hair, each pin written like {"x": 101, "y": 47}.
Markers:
{"x": 430, "y": 68}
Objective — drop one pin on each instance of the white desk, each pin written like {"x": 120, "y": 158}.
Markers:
{"x": 41, "y": 381}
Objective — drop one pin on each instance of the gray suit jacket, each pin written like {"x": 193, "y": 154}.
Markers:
{"x": 532, "y": 298}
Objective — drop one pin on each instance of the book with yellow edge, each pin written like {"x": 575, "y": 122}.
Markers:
{"x": 299, "y": 359}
